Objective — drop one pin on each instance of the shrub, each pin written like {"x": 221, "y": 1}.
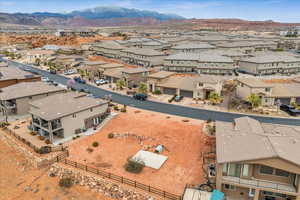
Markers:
{"x": 95, "y": 144}
{"x": 41, "y": 137}
{"x": 4, "y": 124}
{"x": 33, "y": 133}
{"x": 110, "y": 135}
{"x": 90, "y": 150}
{"x": 116, "y": 108}
{"x": 47, "y": 141}
{"x": 157, "y": 92}
{"x": 66, "y": 182}
{"x": 134, "y": 166}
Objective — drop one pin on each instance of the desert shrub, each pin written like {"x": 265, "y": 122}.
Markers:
{"x": 90, "y": 150}
{"x": 47, "y": 141}
{"x": 123, "y": 110}
{"x": 33, "y": 133}
{"x": 134, "y": 166}
{"x": 116, "y": 108}
{"x": 110, "y": 135}
{"x": 157, "y": 92}
{"x": 66, "y": 182}
{"x": 43, "y": 150}
{"x": 95, "y": 144}
{"x": 185, "y": 120}
{"x": 41, "y": 137}
{"x": 3, "y": 124}
{"x": 209, "y": 120}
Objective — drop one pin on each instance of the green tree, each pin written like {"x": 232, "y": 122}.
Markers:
{"x": 143, "y": 88}
{"x": 255, "y": 100}
{"x": 214, "y": 98}
{"x": 120, "y": 84}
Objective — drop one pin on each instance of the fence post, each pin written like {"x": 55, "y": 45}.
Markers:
{"x": 149, "y": 188}
{"x": 135, "y": 184}
{"x": 76, "y": 164}
{"x": 122, "y": 180}
{"x": 164, "y": 194}
{"x": 57, "y": 160}
{"x": 86, "y": 168}
{"x": 97, "y": 171}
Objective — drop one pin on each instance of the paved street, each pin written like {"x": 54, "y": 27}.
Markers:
{"x": 171, "y": 109}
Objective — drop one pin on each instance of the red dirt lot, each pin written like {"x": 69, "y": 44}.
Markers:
{"x": 184, "y": 142}
{"x": 20, "y": 181}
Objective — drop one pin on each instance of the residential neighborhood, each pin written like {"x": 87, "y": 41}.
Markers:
{"x": 134, "y": 104}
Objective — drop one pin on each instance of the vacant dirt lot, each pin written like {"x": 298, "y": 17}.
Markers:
{"x": 184, "y": 144}
{"x": 19, "y": 181}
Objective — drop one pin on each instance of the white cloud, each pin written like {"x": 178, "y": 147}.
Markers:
{"x": 7, "y": 3}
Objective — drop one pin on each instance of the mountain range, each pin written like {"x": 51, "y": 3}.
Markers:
{"x": 98, "y": 16}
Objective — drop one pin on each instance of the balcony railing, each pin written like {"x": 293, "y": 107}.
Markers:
{"x": 260, "y": 184}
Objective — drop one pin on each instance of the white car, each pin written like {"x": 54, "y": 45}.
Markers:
{"x": 70, "y": 71}
{"x": 45, "y": 79}
{"x": 101, "y": 82}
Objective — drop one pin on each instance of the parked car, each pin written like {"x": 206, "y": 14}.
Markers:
{"x": 178, "y": 98}
{"x": 79, "y": 80}
{"x": 45, "y": 79}
{"x": 140, "y": 96}
{"x": 52, "y": 71}
{"x": 101, "y": 82}
{"x": 84, "y": 90}
{"x": 291, "y": 110}
{"x": 69, "y": 72}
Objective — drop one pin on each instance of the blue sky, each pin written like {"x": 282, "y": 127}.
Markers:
{"x": 278, "y": 10}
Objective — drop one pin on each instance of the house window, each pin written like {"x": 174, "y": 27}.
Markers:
{"x": 30, "y": 97}
{"x": 229, "y": 187}
{"x": 201, "y": 84}
{"x": 266, "y": 170}
{"x": 96, "y": 121}
{"x": 74, "y": 115}
{"x": 279, "y": 172}
{"x": 267, "y": 89}
{"x": 91, "y": 109}
{"x": 245, "y": 170}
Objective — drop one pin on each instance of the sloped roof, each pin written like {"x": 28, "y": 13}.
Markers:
{"x": 247, "y": 139}
{"x": 60, "y": 105}
{"x": 26, "y": 89}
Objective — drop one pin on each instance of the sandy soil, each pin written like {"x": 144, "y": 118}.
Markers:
{"x": 184, "y": 142}
{"x": 16, "y": 175}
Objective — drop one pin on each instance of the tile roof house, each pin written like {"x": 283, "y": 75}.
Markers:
{"x": 257, "y": 160}
{"x": 15, "y": 99}
{"x": 270, "y": 93}
{"x": 202, "y": 63}
{"x": 54, "y": 120}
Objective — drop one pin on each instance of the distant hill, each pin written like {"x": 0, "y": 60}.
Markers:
{"x": 98, "y": 16}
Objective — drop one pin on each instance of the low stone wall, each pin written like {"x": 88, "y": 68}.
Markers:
{"x": 36, "y": 160}
{"x": 98, "y": 184}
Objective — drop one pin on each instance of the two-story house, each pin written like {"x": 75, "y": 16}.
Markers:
{"x": 202, "y": 63}
{"x": 257, "y": 161}
{"x": 15, "y": 99}
{"x": 191, "y": 48}
{"x": 271, "y": 93}
{"x": 64, "y": 115}
{"x": 143, "y": 57}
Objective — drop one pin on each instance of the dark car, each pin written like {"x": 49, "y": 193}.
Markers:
{"x": 79, "y": 80}
{"x": 52, "y": 71}
{"x": 141, "y": 97}
{"x": 178, "y": 98}
{"x": 291, "y": 110}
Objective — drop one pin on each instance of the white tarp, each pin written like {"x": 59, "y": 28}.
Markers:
{"x": 150, "y": 159}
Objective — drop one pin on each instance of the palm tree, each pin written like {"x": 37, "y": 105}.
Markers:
{"x": 214, "y": 98}
{"x": 143, "y": 88}
{"x": 120, "y": 84}
{"x": 255, "y": 100}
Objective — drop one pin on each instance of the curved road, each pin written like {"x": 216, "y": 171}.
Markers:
{"x": 171, "y": 109}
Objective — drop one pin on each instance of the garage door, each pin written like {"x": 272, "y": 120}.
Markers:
{"x": 186, "y": 93}
{"x": 298, "y": 101}
{"x": 283, "y": 100}
{"x": 170, "y": 91}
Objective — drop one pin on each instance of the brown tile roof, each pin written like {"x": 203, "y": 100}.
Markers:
{"x": 26, "y": 89}
{"x": 247, "y": 139}
{"x": 60, "y": 105}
